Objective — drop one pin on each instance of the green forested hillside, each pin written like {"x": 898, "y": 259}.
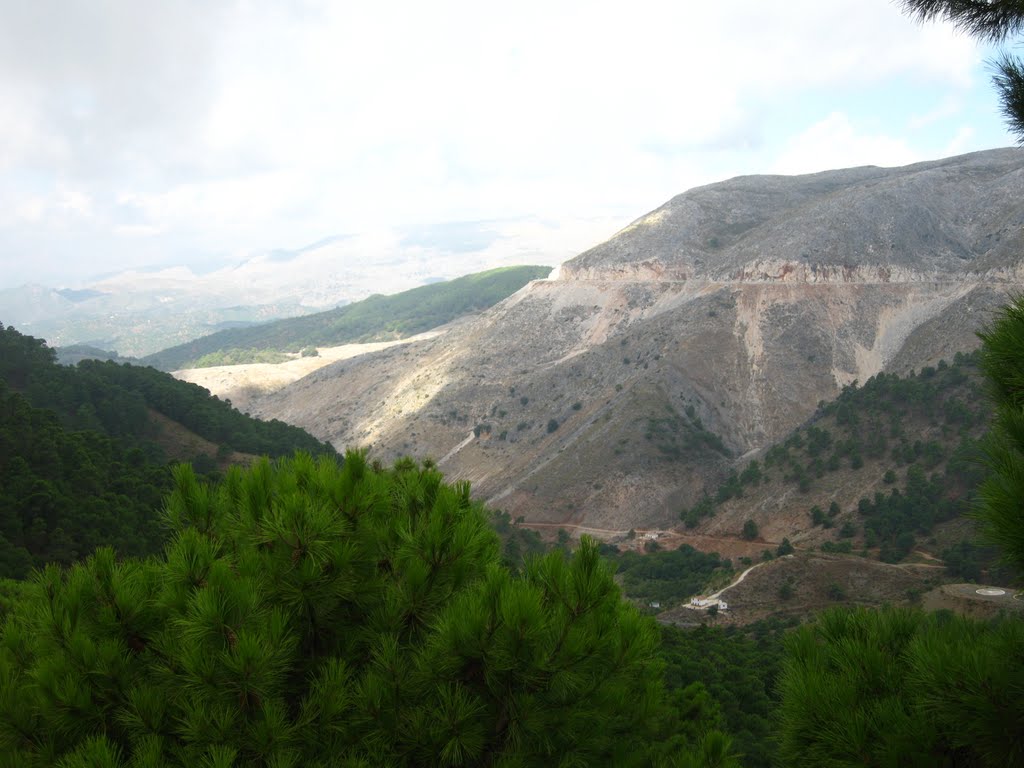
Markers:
{"x": 64, "y": 492}
{"x": 739, "y": 667}
{"x": 901, "y": 687}
{"x": 913, "y": 440}
{"x": 373, "y": 319}
{"x": 81, "y": 464}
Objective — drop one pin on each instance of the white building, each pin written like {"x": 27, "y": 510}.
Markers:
{"x": 707, "y": 602}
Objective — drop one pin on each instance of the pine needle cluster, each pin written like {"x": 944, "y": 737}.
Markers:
{"x": 903, "y": 688}
{"x": 993, "y": 21}
{"x": 306, "y": 614}
{"x": 1001, "y": 497}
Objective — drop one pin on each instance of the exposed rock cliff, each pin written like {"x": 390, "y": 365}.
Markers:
{"x": 725, "y": 315}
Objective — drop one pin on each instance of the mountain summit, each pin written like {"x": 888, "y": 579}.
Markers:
{"x": 957, "y": 217}
{"x": 618, "y": 392}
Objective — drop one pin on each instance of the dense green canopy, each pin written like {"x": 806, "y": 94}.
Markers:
{"x": 899, "y": 687}
{"x": 306, "y": 614}
{"x": 903, "y": 688}
{"x": 82, "y": 456}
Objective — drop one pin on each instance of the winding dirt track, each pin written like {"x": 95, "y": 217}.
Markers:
{"x": 736, "y": 581}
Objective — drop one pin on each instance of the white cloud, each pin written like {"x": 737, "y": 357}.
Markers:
{"x": 30, "y": 211}
{"x": 947, "y": 108}
{"x": 836, "y": 143}
{"x": 960, "y": 143}
{"x": 214, "y": 127}
{"x": 136, "y": 230}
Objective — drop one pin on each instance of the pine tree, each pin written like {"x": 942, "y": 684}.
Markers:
{"x": 304, "y": 614}
{"x": 899, "y": 687}
{"x": 1001, "y": 510}
{"x": 994, "y": 21}
{"x": 903, "y": 688}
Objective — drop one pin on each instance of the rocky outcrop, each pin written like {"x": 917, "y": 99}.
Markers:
{"x": 614, "y": 394}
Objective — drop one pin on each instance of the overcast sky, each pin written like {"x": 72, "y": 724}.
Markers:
{"x": 136, "y": 132}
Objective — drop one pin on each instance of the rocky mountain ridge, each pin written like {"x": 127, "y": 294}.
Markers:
{"x": 944, "y": 218}
{"x": 617, "y": 393}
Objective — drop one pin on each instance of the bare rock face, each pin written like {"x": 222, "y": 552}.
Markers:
{"x": 930, "y": 221}
{"x": 613, "y": 395}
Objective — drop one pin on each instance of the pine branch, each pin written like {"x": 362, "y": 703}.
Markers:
{"x": 1009, "y": 82}
{"x": 992, "y": 20}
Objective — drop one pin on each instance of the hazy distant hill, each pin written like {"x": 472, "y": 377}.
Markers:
{"x": 141, "y": 311}
{"x": 76, "y": 353}
{"x": 713, "y": 325}
{"x": 373, "y": 319}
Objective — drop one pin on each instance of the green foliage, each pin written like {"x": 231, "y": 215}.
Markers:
{"x": 1001, "y": 495}
{"x": 835, "y": 591}
{"x": 115, "y": 399}
{"x": 79, "y": 467}
{"x": 374, "y": 319}
{"x": 866, "y": 422}
{"x": 680, "y": 437}
{"x": 899, "y": 687}
{"x": 750, "y": 531}
{"x": 739, "y": 668}
{"x": 893, "y": 520}
{"x": 11, "y": 593}
{"x": 518, "y": 544}
{"x": 963, "y": 560}
{"x": 871, "y": 422}
{"x": 839, "y": 547}
{"x": 667, "y": 576}
{"x": 63, "y": 493}
{"x": 994, "y": 21}
{"x": 306, "y": 614}
{"x": 552, "y": 425}
{"x": 703, "y": 508}
{"x": 238, "y": 357}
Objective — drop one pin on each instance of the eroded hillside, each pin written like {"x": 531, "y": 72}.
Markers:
{"x": 617, "y": 393}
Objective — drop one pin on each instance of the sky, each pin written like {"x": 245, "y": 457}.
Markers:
{"x": 151, "y": 133}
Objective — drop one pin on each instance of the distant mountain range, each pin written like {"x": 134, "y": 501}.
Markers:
{"x": 377, "y": 318}
{"x": 137, "y": 313}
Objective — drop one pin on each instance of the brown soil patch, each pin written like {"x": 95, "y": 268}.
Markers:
{"x": 965, "y": 600}
{"x": 182, "y": 444}
{"x": 817, "y": 581}
{"x": 243, "y": 384}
